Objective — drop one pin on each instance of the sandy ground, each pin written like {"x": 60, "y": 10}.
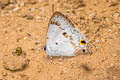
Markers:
{"x": 24, "y": 24}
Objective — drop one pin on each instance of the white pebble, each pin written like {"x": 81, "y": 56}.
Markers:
{"x": 22, "y": 4}
{"x": 116, "y": 14}
{"x": 109, "y": 30}
{"x": 15, "y": 9}
{"x": 32, "y": 9}
{"x": 39, "y": 0}
{"x": 97, "y": 40}
{"x": 25, "y": 38}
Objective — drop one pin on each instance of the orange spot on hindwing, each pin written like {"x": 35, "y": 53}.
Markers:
{"x": 65, "y": 34}
{"x": 82, "y": 42}
{"x": 56, "y": 23}
{"x": 71, "y": 37}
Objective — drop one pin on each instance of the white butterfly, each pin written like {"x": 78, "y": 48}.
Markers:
{"x": 63, "y": 39}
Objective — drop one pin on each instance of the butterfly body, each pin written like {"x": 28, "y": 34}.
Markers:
{"x": 63, "y": 39}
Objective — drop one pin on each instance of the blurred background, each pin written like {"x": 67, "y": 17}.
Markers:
{"x": 23, "y": 28}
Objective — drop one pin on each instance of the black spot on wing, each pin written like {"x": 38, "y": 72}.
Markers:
{"x": 83, "y": 41}
{"x": 56, "y": 43}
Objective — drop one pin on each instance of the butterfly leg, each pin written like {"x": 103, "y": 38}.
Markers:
{"x": 63, "y": 58}
{"x": 51, "y": 60}
{"x": 50, "y": 57}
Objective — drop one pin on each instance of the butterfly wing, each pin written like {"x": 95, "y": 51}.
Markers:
{"x": 62, "y": 37}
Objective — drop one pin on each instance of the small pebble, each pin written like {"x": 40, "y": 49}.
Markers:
{"x": 1, "y": 5}
{"x": 15, "y": 9}
{"x": 32, "y": 9}
{"x": 25, "y": 38}
{"x": 116, "y": 14}
{"x": 102, "y": 39}
{"x": 39, "y": 0}
{"x": 4, "y": 74}
{"x": 6, "y": 37}
{"x": 22, "y": 4}
{"x": 37, "y": 37}
{"x": 38, "y": 49}
{"x": 97, "y": 40}
{"x": 92, "y": 15}
{"x": 5, "y": 2}
{"x": 32, "y": 1}
{"x": 37, "y": 42}
{"x": 29, "y": 17}
{"x": 109, "y": 30}
{"x": 13, "y": 1}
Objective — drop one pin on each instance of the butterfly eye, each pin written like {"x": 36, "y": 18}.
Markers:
{"x": 44, "y": 48}
{"x": 83, "y": 42}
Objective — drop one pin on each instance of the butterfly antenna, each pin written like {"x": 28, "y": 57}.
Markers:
{"x": 92, "y": 46}
{"x": 47, "y": 58}
{"x": 93, "y": 38}
{"x": 53, "y": 8}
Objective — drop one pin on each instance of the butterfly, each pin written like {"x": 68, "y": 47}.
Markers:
{"x": 63, "y": 38}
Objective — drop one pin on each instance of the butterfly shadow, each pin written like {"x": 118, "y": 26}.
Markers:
{"x": 59, "y": 58}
